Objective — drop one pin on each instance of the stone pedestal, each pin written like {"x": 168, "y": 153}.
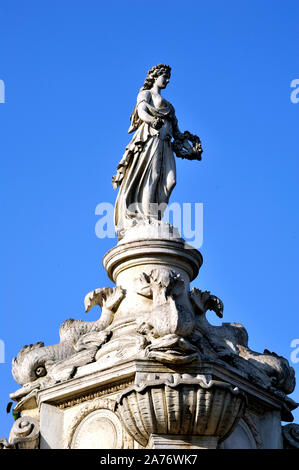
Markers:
{"x": 152, "y": 372}
{"x": 101, "y": 409}
{"x": 126, "y": 261}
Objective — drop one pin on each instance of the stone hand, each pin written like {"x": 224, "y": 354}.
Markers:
{"x": 157, "y": 123}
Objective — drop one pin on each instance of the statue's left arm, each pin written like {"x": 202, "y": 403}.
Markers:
{"x": 181, "y": 141}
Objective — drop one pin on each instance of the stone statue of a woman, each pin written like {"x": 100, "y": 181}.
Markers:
{"x": 147, "y": 173}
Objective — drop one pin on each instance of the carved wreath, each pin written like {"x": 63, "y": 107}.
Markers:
{"x": 188, "y": 146}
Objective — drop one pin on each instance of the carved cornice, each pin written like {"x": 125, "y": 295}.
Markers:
{"x": 91, "y": 396}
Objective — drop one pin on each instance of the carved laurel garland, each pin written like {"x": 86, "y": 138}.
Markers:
{"x": 96, "y": 404}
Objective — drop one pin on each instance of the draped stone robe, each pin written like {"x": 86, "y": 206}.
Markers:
{"x": 146, "y": 174}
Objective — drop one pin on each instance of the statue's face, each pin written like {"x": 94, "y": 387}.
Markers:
{"x": 162, "y": 80}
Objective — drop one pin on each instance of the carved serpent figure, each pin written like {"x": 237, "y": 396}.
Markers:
{"x": 79, "y": 342}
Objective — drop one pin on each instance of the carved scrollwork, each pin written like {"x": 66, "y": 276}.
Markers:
{"x": 290, "y": 434}
{"x": 24, "y": 434}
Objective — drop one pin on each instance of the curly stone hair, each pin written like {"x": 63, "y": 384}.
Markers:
{"x": 154, "y": 73}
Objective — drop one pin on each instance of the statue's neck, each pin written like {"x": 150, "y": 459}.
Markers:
{"x": 155, "y": 89}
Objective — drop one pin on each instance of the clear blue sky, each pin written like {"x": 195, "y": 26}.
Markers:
{"x": 72, "y": 70}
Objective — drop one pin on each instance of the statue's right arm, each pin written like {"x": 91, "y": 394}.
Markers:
{"x": 144, "y": 110}
{"x": 143, "y": 114}
{"x": 143, "y": 99}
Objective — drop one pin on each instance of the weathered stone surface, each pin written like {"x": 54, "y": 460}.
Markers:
{"x": 152, "y": 370}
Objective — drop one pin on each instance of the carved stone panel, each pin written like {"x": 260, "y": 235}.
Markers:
{"x": 241, "y": 438}
{"x": 96, "y": 426}
{"x": 100, "y": 429}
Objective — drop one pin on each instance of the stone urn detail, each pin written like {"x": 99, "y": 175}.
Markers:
{"x": 181, "y": 406}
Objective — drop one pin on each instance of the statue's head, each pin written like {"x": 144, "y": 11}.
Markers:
{"x": 160, "y": 73}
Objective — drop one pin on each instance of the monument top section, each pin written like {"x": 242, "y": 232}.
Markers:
{"x": 146, "y": 173}
{"x": 152, "y": 371}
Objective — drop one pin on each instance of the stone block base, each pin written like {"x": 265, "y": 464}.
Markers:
{"x": 172, "y": 441}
